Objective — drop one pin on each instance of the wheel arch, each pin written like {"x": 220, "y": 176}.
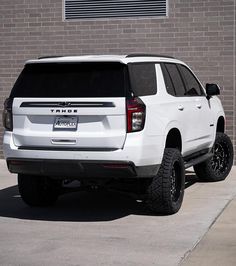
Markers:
{"x": 174, "y": 139}
{"x": 220, "y": 127}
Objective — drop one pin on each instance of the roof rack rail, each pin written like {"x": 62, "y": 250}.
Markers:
{"x": 50, "y": 56}
{"x": 148, "y": 55}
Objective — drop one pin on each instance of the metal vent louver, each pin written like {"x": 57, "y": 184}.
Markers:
{"x": 75, "y": 9}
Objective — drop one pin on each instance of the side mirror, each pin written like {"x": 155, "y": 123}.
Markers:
{"x": 212, "y": 89}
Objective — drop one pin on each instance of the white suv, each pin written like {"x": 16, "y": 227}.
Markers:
{"x": 102, "y": 120}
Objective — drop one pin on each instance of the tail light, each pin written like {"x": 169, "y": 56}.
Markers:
{"x": 7, "y": 115}
{"x": 136, "y": 113}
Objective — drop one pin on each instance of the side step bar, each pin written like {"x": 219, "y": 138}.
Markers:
{"x": 197, "y": 160}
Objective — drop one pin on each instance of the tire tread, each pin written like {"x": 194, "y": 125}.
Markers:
{"x": 159, "y": 199}
{"x": 204, "y": 171}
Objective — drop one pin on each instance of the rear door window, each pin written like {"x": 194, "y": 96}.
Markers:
{"x": 168, "y": 82}
{"x": 176, "y": 79}
{"x": 143, "y": 79}
{"x": 72, "y": 80}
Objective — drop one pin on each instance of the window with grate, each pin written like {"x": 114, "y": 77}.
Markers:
{"x": 84, "y": 9}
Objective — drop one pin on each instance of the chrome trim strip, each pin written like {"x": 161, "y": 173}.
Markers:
{"x": 67, "y": 104}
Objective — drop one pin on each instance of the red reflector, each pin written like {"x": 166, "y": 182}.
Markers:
{"x": 15, "y": 162}
{"x": 115, "y": 166}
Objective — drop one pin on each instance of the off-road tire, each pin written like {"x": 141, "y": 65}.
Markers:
{"x": 38, "y": 190}
{"x": 161, "y": 197}
{"x": 218, "y": 167}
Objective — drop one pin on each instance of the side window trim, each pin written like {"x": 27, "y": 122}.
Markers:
{"x": 182, "y": 78}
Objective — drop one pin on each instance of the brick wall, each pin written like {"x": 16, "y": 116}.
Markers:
{"x": 200, "y": 32}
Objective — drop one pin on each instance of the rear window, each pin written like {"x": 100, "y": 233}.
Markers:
{"x": 71, "y": 80}
{"x": 143, "y": 79}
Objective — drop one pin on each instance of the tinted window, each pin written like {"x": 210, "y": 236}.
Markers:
{"x": 169, "y": 85}
{"x": 71, "y": 80}
{"x": 192, "y": 85}
{"x": 176, "y": 79}
{"x": 143, "y": 79}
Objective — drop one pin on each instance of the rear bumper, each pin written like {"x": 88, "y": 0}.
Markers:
{"x": 139, "y": 149}
{"x": 80, "y": 169}
{"x": 141, "y": 156}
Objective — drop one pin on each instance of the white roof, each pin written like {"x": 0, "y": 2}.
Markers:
{"x": 105, "y": 58}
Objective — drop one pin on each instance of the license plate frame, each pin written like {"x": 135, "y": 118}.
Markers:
{"x": 65, "y": 123}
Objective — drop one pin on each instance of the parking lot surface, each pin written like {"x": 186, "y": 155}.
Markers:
{"x": 107, "y": 228}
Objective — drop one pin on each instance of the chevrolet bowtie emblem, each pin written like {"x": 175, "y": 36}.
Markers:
{"x": 64, "y": 104}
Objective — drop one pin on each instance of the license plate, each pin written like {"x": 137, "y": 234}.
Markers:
{"x": 69, "y": 123}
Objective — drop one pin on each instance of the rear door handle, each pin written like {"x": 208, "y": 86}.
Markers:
{"x": 199, "y": 106}
{"x": 180, "y": 107}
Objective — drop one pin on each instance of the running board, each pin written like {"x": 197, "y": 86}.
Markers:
{"x": 197, "y": 160}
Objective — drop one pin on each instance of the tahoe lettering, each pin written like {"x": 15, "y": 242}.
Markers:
{"x": 64, "y": 111}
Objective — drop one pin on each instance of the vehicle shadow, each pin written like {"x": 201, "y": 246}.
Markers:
{"x": 77, "y": 206}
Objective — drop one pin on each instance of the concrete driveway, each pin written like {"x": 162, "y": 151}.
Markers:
{"x": 106, "y": 228}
